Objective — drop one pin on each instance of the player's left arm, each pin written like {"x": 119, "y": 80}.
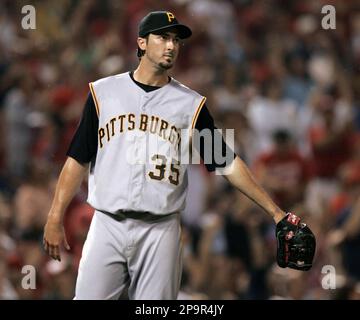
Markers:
{"x": 239, "y": 175}
{"x": 295, "y": 241}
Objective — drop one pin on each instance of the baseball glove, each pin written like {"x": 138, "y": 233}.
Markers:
{"x": 295, "y": 243}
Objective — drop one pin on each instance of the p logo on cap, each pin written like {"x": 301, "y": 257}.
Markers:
{"x": 170, "y": 16}
{"x": 160, "y": 21}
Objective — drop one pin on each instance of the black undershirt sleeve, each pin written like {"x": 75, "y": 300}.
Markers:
{"x": 214, "y": 151}
{"x": 83, "y": 147}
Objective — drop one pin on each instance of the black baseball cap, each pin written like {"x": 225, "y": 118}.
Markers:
{"x": 158, "y": 21}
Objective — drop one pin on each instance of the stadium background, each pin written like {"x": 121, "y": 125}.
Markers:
{"x": 289, "y": 89}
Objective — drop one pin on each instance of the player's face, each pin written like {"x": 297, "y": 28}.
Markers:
{"x": 162, "y": 49}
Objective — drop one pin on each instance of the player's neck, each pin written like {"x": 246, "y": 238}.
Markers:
{"x": 147, "y": 75}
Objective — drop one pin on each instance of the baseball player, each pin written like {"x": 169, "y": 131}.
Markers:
{"x": 133, "y": 244}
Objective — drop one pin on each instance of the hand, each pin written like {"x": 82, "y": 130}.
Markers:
{"x": 54, "y": 236}
{"x": 295, "y": 243}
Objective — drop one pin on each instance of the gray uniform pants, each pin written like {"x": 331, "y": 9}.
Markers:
{"x": 138, "y": 254}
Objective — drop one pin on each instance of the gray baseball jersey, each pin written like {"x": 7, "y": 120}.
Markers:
{"x": 139, "y": 135}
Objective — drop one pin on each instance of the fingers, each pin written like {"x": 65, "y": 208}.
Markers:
{"x": 46, "y": 246}
{"x": 67, "y": 247}
{"x": 56, "y": 253}
{"x": 52, "y": 250}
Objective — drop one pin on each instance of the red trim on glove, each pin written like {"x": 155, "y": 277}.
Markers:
{"x": 293, "y": 219}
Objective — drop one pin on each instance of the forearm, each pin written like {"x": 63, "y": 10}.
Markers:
{"x": 241, "y": 178}
{"x": 69, "y": 181}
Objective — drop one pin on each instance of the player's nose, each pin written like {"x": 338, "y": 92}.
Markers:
{"x": 170, "y": 45}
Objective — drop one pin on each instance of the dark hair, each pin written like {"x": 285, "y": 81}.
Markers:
{"x": 140, "y": 52}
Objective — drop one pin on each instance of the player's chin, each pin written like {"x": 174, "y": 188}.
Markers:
{"x": 166, "y": 65}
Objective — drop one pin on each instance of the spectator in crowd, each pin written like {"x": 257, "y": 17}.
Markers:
{"x": 283, "y": 171}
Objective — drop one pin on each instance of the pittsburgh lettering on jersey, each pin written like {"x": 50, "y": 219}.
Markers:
{"x": 145, "y": 123}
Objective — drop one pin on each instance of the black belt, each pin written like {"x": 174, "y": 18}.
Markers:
{"x": 122, "y": 215}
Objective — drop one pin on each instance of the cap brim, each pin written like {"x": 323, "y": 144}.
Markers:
{"x": 183, "y": 31}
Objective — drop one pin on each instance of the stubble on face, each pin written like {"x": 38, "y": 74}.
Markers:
{"x": 169, "y": 61}
{"x": 165, "y": 65}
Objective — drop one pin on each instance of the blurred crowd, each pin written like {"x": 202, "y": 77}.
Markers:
{"x": 290, "y": 89}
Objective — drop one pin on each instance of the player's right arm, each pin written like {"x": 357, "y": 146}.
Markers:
{"x": 82, "y": 150}
{"x": 67, "y": 186}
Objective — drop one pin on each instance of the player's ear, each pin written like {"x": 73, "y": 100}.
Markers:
{"x": 141, "y": 43}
